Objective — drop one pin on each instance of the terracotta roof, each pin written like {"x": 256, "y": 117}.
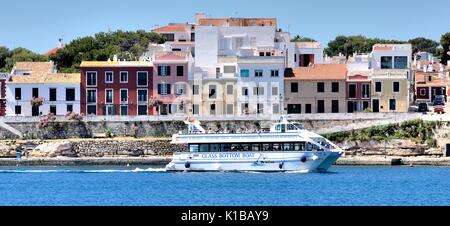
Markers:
{"x": 170, "y": 56}
{"x": 358, "y": 77}
{"x": 52, "y": 51}
{"x": 35, "y": 67}
{"x": 171, "y": 28}
{"x": 422, "y": 80}
{"x": 318, "y": 72}
{"x": 116, "y": 64}
{"x": 45, "y": 78}
{"x": 383, "y": 48}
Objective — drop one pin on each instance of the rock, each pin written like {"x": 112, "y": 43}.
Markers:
{"x": 52, "y": 149}
{"x": 434, "y": 151}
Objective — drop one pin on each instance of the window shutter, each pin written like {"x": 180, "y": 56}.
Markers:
{"x": 168, "y": 71}
{"x": 159, "y": 89}
{"x": 168, "y": 88}
{"x": 159, "y": 70}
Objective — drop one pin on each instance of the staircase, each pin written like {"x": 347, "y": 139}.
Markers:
{"x": 10, "y": 129}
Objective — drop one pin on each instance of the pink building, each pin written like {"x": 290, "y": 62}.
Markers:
{"x": 170, "y": 82}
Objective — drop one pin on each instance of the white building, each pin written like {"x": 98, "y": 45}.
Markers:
{"x": 60, "y": 94}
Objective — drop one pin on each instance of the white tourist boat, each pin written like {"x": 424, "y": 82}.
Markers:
{"x": 287, "y": 147}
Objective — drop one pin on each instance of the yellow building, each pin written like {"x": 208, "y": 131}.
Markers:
{"x": 390, "y": 90}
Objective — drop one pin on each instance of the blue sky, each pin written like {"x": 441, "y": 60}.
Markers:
{"x": 37, "y": 25}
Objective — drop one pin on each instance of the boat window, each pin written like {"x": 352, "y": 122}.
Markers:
{"x": 291, "y": 127}
{"x": 277, "y": 146}
{"x": 288, "y": 146}
{"x": 278, "y": 128}
{"x": 246, "y": 147}
{"x": 299, "y": 126}
{"x": 256, "y": 147}
{"x": 309, "y": 146}
{"x": 226, "y": 147}
{"x": 283, "y": 128}
{"x": 215, "y": 147}
{"x": 267, "y": 147}
{"x": 204, "y": 147}
{"x": 193, "y": 148}
{"x": 235, "y": 147}
{"x": 299, "y": 147}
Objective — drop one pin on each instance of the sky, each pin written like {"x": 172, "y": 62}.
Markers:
{"x": 37, "y": 25}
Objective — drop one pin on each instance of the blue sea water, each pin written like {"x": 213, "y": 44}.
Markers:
{"x": 129, "y": 186}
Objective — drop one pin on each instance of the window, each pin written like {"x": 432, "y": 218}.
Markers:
{"x": 320, "y": 87}
{"x": 109, "y": 96}
{"x": 294, "y": 87}
{"x": 69, "y": 107}
{"x": 169, "y": 37}
{"x": 142, "y": 78}
{"x": 109, "y": 77}
{"x": 386, "y": 62}
{"x": 179, "y": 88}
{"x": 261, "y": 53}
{"x": 52, "y": 94}
{"x": 259, "y": 91}
{"x": 123, "y": 96}
{"x": 18, "y": 93}
{"x": 245, "y": 73}
{"x": 335, "y": 87}
{"x": 422, "y": 92}
{"x": 230, "y": 90}
{"x": 229, "y": 69}
{"x": 274, "y": 91}
{"x": 70, "y": 94}
{"x": 230, "y": 109}
{"x": 35, "y": 92}
{"x": 91, "y": 78}
{"x": 180, "y": 70}
{"x": 294, "y": 108}
{"x": 400, "y": 62}
{"x": 53, "y": 109}
{"x": 334, "y": 106}
{"x": 378, "y": 87}
{"x": 142, "y": 110}
{"x": 123, "y": 77}
{"x": 395, "y": 87}
{"x": 164, "y": 70}
{"x": 276, "y": 108}
{"x": 195, "y": 89}
{"x": 295, "y": 57}
{"x": 142, "y": 96}
{"x": 212, "y": 109}
{"x": 274, "y": 73}
{"x": 123, "y": 110}
{"x": 260, "y": 108}
{"x": 392, "y": 104}
{"x": 195, "y": 109}
{"x": 351, "y": 90}
{"x": 18, "y": 109}
{"x": 245, "y": 109}
{"x": 258, "y": 73}
{"x": 365, "y": 92}
{"x": 244, "y": 91}
{"x": 163, "y": 89}
{"x": 212, "y": 91}
{"x": 308, "y": 108}
{"x": 91, "y": 96}
{"x": 91, "y": 109}
{"x": 320, "y": 106}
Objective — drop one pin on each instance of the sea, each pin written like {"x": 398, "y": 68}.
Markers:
{"x": 153, "y": 186}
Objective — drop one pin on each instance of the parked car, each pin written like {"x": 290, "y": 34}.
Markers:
{"x": 439, "y": 109}
{"x": 423, "y": 107}
{"x": 439, "y": 100}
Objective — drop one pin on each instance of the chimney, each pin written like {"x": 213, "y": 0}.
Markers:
{"x": 199, "y": 16}
{"x": 115, "y": 58}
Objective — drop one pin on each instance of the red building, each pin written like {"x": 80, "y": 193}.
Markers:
{"x": 358, "y": 93}
{"x": 3, "y": 94}
{"x": 116, "y": 88}
{"x": 428, "y": 85}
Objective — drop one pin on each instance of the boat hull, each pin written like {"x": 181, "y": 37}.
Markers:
{"x": 254, "y": 161}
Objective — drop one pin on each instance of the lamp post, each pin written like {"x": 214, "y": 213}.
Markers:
{"x": 385, "y": 141}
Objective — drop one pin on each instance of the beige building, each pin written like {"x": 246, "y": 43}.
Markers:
{"x": 390, "y": 90}
{"x": 316, "y": 89}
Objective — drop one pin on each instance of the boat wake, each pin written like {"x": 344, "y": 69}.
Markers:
{"x": 136, "y": 170}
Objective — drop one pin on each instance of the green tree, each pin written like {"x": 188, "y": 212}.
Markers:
{"x": 127, "y": 45}
{"x": 348, "y": 45}
{"x": 299, "y": 38}
{"x": 22, "y": 54}
{"x": 4, "y": 53}
{"x": 445, "y": 43}
{"x": 423, "y": 44}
